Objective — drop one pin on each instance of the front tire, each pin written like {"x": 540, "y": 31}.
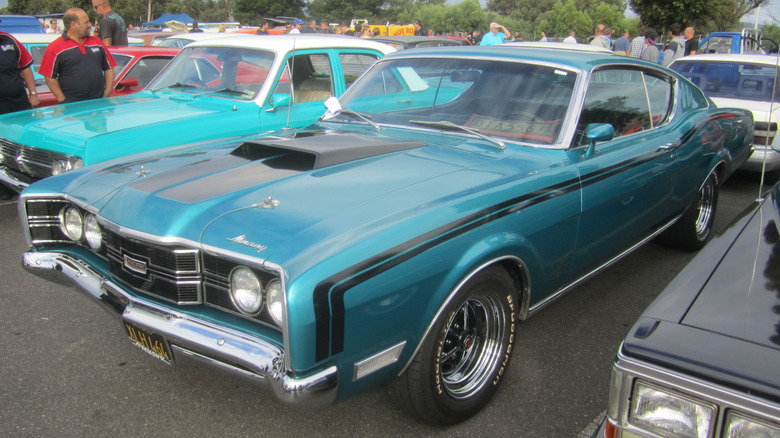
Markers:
{"x": 694, "y": 227}
{"x": 467, "y": 352}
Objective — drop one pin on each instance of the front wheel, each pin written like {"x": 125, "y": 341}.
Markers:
{"x": 692, "y": 230}
{"x": 467, "y": 352}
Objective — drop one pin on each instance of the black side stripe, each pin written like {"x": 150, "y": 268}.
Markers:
{"x": 330, "y": 313}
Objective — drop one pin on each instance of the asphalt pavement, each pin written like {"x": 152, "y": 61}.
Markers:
{"x": 67, "y": 368}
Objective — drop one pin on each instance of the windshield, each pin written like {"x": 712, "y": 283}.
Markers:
{"x": 226, "y": 71}
{"x": 511, "y": 100}
{"x": 732, "y": 80}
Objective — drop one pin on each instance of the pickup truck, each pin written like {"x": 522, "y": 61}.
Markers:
{"x": 747, "y": 41}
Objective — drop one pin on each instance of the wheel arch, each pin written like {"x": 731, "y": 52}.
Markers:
{"x": 517, "y": 271}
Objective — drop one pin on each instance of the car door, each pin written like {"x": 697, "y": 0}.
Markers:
{"x": 307, "y": 80}
{"x": 627, "y": 182}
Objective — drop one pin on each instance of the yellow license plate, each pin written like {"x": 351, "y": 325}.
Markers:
{"x": 150, "y": 342}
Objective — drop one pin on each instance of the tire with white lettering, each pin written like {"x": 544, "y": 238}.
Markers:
{"x": 694, "y": 227}
{"x": 466, "y": 353}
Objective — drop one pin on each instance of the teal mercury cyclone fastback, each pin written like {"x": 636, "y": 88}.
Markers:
{"x": 215, "y": 88}
{"x": 447, "y": 196}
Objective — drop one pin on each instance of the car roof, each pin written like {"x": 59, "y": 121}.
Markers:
{"x": 286, "y": 43}
{"x": 753, "y": 58}
{"x": 562, "y": 55}
{"x": 32, "y": 38}
{"x": 144, "y": 50}
{"x": 198, "y": 36}
{"x": 562, "y": 46}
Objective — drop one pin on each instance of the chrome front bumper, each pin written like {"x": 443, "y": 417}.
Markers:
{"x": 11, "y": 181}
{"x": 192, "y": 338}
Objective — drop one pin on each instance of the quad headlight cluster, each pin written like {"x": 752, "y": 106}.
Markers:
{"x": 81, "y": 227}
{"x": 250, "y": 296}
{"x": 65, "y": 164}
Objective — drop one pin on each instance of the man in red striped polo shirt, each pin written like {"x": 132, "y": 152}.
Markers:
{"x": 76, "y": 65}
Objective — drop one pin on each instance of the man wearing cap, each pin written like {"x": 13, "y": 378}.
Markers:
{"x": 494, "y": 36}
{"x": 77, "y": 66}
{"x": 297, "y": 25}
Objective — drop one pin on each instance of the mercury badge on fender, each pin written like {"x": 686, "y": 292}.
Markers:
{"x": 450, "y": 194}
{"x": 214, "y": 88}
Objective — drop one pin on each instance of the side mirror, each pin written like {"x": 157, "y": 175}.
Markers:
{"x": 596, "y": 132}
{"x": 279, "y": 100}
{"x": 126, "y": 84}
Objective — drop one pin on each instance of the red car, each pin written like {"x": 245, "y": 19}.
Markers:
{"x": 136, "y": 66}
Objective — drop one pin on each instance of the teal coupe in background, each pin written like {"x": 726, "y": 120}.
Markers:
{"x": 448, "y": 195}
{"x": 216, "y": 87}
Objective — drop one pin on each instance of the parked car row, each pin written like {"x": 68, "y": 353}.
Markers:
{"x": 240, "y": 258}
{"x": 448, "y": 194}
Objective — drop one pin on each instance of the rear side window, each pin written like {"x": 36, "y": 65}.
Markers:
{"x": 354, "y": 64}
{"x": 631, "y": 100}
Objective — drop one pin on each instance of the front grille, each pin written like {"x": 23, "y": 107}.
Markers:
{"x": 175, "y": 273}
{"x": 30, "y": 161}
{"x": 170, "y": 273}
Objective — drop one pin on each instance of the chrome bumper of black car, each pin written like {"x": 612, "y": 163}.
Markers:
{"x": 192, "y": 338}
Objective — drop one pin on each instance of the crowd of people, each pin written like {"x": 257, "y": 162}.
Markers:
{"x": 646, "y": 44}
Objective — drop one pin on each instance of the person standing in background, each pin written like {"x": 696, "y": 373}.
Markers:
{"x": 623, "y": 44}
{"x": 195, "y": 28}
{"x": 676, "y": 47}
{"x": 77, "y": 66}
{"x": 600, "y": 40}
{"x": 638, "y": 44}
{"x": 494, "y": 37}
{"x": 571, "y": 39}
{"x": 113, "y": 30}
{"x": 691, "y": 42}
{"x": 418, "y": 30}
{"x": 263, "y": 30}
{"x": 651, "y": 51}
{"x": 53, "y": 27}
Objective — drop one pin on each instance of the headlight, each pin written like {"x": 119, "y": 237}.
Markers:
{"x": 62, "y": 166}
{"x": 275, "y": 299}
{"x": 246, "y": 291}
{"x": 92, "y": 232}
{"x": 666, "y": 413}
{"x": 739, "y": 426}
{"x": 71, "y": 223}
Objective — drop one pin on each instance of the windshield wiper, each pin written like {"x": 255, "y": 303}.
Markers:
{"x": 359, "y": 116}
{"x": 228, "y": 91}
{"x": 179, "y": 85}
{"x": 449, "y": 126}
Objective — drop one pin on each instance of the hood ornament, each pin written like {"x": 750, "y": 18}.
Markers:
{"x": 269, "y": 203}
{"x": 143, "y": 171}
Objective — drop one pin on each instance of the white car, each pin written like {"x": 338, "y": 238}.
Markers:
{"x": 742, "y": 81}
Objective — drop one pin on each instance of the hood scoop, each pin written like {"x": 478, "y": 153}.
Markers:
{"x": 305, "y": 152}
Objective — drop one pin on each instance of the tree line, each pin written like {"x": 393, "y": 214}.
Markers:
{"x": 528, "y": 17}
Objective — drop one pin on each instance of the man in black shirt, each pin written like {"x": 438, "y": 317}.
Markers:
{"x": 113, "y": 30}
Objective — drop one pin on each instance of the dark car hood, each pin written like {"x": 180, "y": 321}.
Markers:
{"x": 742, "y": 297}
{"x": 719, "y": 319}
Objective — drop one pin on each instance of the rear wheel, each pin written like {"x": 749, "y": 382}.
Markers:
{"x": 464, "y": 357}
{"x": 694, "y": 227}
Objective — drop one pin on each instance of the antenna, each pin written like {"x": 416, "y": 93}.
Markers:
{"x": 767, "y": 146}
{"x": 292, "y": 84}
